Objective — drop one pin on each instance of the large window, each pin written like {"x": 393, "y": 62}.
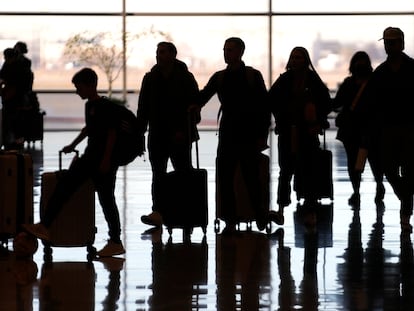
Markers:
{"x": 332, "y": 31}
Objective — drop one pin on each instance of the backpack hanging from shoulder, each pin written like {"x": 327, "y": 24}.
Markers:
{"x": 130, "y": 143}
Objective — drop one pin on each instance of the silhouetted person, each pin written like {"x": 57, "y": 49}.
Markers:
{"x": 388, "y": 102}
{"x": 97, "y": 163}
{"x": 26, "y": 64}
{"x": 300, "y": 104}
{"x": 14, "y": 92}
{"x": 349, "y": 125}
{"x": 243, "y": 129}
{"x": 167, "y": 92}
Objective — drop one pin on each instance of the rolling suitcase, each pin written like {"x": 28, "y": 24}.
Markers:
{"x": 245, "y": 208}
{"x": 320, "y": 176}
{"x": 184, "y": 199}
{"x": 75, "y": 224}
{"x": 34, "y": 126}
{"x": 16, "y": 192}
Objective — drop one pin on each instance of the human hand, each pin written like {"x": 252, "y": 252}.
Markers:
{"x": 68, "y": 149}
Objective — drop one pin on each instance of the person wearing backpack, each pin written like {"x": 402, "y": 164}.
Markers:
{"x": 97, "y": 162}
{"x": 166, "y": 94}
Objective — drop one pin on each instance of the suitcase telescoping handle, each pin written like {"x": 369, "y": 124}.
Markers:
{"x": 60, "y": 157}
{"x": 192, "y": 122}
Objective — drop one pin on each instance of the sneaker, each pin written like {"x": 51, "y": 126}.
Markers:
{"x": 38, "y": 230}
{"x": 153, "y": 219}
{"x": 277, "y": 217}
{"x": 111, "y": 249}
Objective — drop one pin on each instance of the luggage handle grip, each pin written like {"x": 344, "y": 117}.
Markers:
{"x": 60, "y": 157}
{"x": 191, "y": 122}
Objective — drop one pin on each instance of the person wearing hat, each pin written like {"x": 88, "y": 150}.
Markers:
{"x": 388, "y": 107}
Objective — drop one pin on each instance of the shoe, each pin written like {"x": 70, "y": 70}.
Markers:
{"x": 38, "y": 230}
{"x": 379, "y": 196}
{"x": 355, "y": 199}
{"x": 277, "y": 217}
{"x": 111, "y": 249}
{"x": 153, "y": 219}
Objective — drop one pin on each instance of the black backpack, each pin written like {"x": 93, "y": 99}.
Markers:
{"x": 130, "y": 143}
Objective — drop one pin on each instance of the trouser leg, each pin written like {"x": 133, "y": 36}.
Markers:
{"x": 105, "y": 187}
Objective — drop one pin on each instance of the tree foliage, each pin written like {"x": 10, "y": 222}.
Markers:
{"x": 103, "y": 51}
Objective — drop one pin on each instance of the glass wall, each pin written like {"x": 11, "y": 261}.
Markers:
{"x": 332, "y": 31}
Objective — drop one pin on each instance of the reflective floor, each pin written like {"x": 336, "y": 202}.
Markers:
{"x": 354, "y": 260}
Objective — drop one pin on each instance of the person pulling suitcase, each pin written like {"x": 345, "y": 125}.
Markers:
{"x": 97, "y": 163}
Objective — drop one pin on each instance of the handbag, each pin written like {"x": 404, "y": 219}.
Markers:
{"x": 344, "y": 117}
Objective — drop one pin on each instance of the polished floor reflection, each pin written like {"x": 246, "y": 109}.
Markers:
{"x": 354, "y": 259}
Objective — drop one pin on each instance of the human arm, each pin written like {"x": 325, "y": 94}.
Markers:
{"x": 105, "y": 164}
{"x": 81, "y": 136}
{"x": 276, "y": 99}
{"x": 144, "y": 99}
{"x": 209, "y": 89}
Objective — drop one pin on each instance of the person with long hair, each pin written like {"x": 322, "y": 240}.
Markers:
{"x": 349, "y": 124}
{"x": 300, "y": 104}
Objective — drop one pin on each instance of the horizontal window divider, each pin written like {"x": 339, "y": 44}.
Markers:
{"x": 192, "y": 14}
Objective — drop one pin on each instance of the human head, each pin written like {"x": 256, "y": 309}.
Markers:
{"x": 299, "y": 59}
{"x": 85, "y": 81}
{"x": 9, "y": 54}
{"x": 233, "y": 50}
{"x": 393, "y": 40}
{"x": 21, "y": 47}
{"x": 166, "y": 53}
{"x": 360, "y": 64}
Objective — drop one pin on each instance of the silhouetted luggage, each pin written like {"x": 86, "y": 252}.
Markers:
{"x": 67, "y": 286}
{"x": 34, "y": 126}
{"x": 245, "y": 208}
{"x": 75, "y": 224}
{"x": 317, "y": 177}
{"x": 184, "y": 199}
{"x": 16, "y": 192}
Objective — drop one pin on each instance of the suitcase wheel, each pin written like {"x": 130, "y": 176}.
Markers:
{"x": 269, "y": 228}
{"x": 216, "y": 226}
